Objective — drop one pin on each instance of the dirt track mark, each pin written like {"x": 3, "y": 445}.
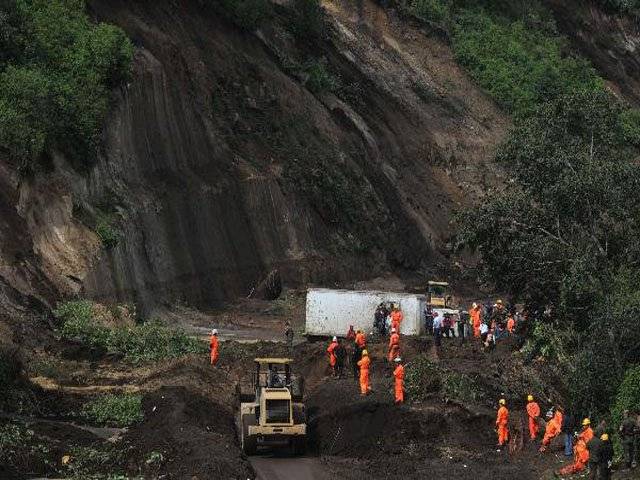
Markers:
{"x": 285, "y": 468}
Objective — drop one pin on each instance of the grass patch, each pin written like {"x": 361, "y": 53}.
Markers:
{"x": 88, "y": 463}
{"x": 115, "y": 410}
{"x": 137, "y": 343}
{"x": 107, "y": 231}
{"x": 21, "y": 450}
{"x": 319, "y": 79}
{"x": 422, "y": 379}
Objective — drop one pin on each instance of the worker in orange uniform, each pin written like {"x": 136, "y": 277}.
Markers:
{"x": 364, "y": 363}
{"x": 475, "y": 319}
{"x": 398, "y": 374}
{"x": 533, "y": 413}
{"x": 332, "y": 356}
{"x": 213, "y": 343}
{"x": 511, "y": 325}
{"x": 394, "y": 345}
{"x": 361, "y": 339}
{"x": 552, "y": 430}
{"x": 502, "y": 423}
{"x": 587, "y": 432}
{"x": 580, "y": 459}
{"x": 396, "y": 318}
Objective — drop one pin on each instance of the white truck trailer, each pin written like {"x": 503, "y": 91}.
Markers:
{"x": 330, "y": 312}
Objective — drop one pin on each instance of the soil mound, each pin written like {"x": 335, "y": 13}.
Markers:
{"x": 196, "y": 437}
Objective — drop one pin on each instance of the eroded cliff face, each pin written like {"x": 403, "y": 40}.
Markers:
{"x": 220, "y": 163}
{"x": 610, "y": 42}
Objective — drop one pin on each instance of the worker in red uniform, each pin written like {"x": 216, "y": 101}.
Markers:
{"x": 351, "y": 334}
{"x": 364, "y": 364}
{"x": 361, "y": 339}
{"x": 394, "y": 345}
{"x": 533, "y": 413}
{"x": 502, "y": 423}
{"x": 213, "y": 343}
{"x": 332, "y": 356}
{"x": 552, "y": 430}
{"x": 396, "y": 318}
{"x": 398, "y": 374}
{"x": 580, "y": 460}
{"x": 475, "y": 319}
{"x": 587, "y": 432}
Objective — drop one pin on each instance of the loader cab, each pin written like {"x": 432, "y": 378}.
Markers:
{"x": 439, "y": 294}
{"x": 273, "y": 382}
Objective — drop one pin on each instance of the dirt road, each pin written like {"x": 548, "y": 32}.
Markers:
{"x": 287, "y": 468}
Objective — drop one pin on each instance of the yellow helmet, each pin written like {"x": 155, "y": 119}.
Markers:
{"x": 529, "y": 398}
{"x": 604, "y": 437}
{"x": 499, "y": 302}
{"x": 586, "y": 422}
{"x": 502, "y": 401}
{"x": 365, "y": 353}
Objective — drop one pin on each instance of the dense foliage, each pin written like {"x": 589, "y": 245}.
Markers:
{"x": 520, "y": 65}
{"x": 57, "y": 70}
{"x": 115, "y": 410}
{"x": 140, "y": 342}
{"x": 562, "y": 237}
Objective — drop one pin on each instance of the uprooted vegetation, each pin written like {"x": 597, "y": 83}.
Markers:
{"x": 114, "y": 410}
{"x": 137, "y": 342}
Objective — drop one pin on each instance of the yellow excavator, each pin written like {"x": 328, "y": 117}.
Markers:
{"x": 439, "y": 295}
{"x": 271, "y": 410}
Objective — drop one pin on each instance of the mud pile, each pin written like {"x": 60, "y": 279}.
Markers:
{"x": 195, "y": 436}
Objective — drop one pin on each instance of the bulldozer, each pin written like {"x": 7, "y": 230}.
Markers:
{"x": 272, "y": 414}
{"x": 439, "y": 295}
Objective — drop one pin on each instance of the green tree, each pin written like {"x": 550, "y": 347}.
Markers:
{"x": 57, "y": 70}
{"x": 562, "y": 235}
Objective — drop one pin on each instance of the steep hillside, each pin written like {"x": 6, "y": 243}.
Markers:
{"x": 226, "y": 156}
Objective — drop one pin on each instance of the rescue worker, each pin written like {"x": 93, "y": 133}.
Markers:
{"x": 511, "y": 325}
{"x": 595, "y": 449}
{"x": 475, "y": 319}
{"x": 499, "y": 318}
{"x": 288, "y": 335}
{"x": 580, "y": 460}
{"x": 606, "y": 458}
{"x": 552, "y": 430}
{"x": 214, "y": 344}
{"x": 502, "y": 423}
{"x": 356, "y": 355}
{"x": 364, "y": 364}
{"x": 398, "y": 374}
{"x": 340, "y": 354}
{"x": 533, "y": 413}
{"x": 587, "y": 432}
{"x": 332, "y": 356}
{"x": 628, "y": 434}
{"x": 568, "y": 428}
{"x": 396, "y": 318}
{"x": 394, "y": 345}
{"x": 351, "y": 334}
{"x": 361, "y": 339}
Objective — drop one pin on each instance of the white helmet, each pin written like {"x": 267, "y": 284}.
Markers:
{"x": 397, "y": 360}
{"x": 393, "y": 330}
{"x": 335, "y": 339}
{"x": 214, "y": 331}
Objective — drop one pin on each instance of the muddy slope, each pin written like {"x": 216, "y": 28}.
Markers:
{"x": 611, "y": 42}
